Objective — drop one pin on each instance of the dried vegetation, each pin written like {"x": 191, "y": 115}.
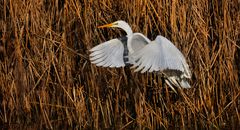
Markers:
{"x": 47, "y": 81}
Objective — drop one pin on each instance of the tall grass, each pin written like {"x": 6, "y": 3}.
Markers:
{"x": 47, "y": 81}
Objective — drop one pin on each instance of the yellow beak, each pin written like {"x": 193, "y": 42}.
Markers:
{"x": 106, "y": 25}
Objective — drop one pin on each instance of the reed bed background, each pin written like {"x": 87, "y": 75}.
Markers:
{"x": 47, "y": 81}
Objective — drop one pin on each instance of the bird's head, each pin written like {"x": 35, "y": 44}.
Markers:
{"x": 119, "y": 24}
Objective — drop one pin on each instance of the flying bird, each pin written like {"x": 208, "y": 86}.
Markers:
{"x": 159, "y": 55}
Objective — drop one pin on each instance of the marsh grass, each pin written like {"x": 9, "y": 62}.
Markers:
{"x": 47, "y": 81}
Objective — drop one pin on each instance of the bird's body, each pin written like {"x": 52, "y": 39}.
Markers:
{"x": 159, "y": 55}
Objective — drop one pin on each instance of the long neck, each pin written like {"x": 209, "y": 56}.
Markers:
{"x": 127, "y": 29}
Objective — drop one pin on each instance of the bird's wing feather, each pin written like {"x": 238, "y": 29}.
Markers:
{"x": 160, "y": 55}
{"x": 137, "y": 41}
{"x": 108, "y": 54}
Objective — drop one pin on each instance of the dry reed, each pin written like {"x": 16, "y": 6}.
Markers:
{"x": 47, "y": 81}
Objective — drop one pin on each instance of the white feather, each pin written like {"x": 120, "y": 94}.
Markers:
{"x": 160, "y": 54}
{"x": 108, "y": 54}
{"x": 145, "y": 55}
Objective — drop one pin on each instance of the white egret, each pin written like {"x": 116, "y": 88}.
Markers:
{"x": 145, "y": 55}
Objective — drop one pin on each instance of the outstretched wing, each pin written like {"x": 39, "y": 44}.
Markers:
{"x": 109, "y": 53}
{"x": 161, "y": 55}
{"x": 136, "y": 42}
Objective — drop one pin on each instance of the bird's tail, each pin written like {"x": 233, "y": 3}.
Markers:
{"x": 175, "y": 81}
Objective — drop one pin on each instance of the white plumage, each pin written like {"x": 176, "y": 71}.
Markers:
{"x": 108, "y": 54}
{"x": 159, "y": 55}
